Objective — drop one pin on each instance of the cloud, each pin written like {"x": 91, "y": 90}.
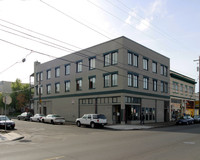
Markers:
{"x": 143, "y": 23}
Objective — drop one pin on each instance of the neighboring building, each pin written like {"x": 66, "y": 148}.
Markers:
{"x": 196, "y": 109}
{"x": 182, "y": 95}
{"x": 119, "y": 78}
{"x": 5, "y": 87}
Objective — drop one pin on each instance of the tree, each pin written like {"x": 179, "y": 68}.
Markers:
{"x": 20, "y": 95}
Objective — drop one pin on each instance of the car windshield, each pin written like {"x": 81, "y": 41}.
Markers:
{"x": 99, "y": 116}
{"x": 4, "y": 118}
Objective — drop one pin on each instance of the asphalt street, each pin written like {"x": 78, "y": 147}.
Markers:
{"x": 68, "y": 142}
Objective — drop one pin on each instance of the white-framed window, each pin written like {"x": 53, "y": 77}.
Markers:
{"x": 57, "y": 72}
{"x": 107, "y": 80}
{"x": 48, "y": 88}
{"x": 48, "y": 74}
{"x": 145, "y": 64}
{"x": 114, "y": 58}
{"x": 145, "y": 82}
{"x": 154, "y": 67}
{"x": 79, "y": 65}
{"x": 79, "y": 84}
{"x": 92, "y": 82}
{"x": 130, "y": 80}
{"x": 67, "y": 69}
{"x": 114, "y": 80}
{"x": 155, "y": 85}
{"x": 135, "y": 81}
{"x": 57, "y": 88}
{"x": 107, "y": 60}
{"x": 67, "y": 86}
{"x": 130, "y": 58}
{"x": 92, "y": 63}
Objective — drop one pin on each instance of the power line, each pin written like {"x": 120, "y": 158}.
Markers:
{"x": 22, "y": 61}
{"x": 73, "y": 62}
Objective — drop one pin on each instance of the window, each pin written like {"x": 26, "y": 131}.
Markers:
{"x": 92, "y": 63}
{"x": 135, "y": 60}
{"x": 181, "y": 88}
{"x": 154, "y": 67}
{"x": 114, "y": 58}
{"x": 162, "y": 87}
{"x": 175, "y": 86}
{"x": 163, "y": 70}
{"x": 145, "y": 83}
{"x": 155, "y": 85}
{"x": 79, "y": 84}
{"x": 186, "y": 88}
{"x": 132, "y": 59}
{"x": 106, "y": 80}
{"x": 92, "y": 82}
{"x": 107, "y": 60}
{"x": 57, "y": 87}
{"x": 48, "y": 74}
{"x": 114, "y": 80}
{"x": 67, "y": 86}
{"x": 39, "y": 76}
{"x": 135, "y": 81}
{"x": 79, "y": 66}
{"x": 191, "y": 90}
{"x": 130, "y": 82}
{"x": 67, "y": 69}
{"x": 57, "y": 72}
{"x": 145, "y": 64}
{"x": 48, "y": 88}
{"x": 110, "y": 58}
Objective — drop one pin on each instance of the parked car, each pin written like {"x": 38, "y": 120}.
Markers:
{"x": 92, "y": 120}
{"x": 37, "y": 118}
{"x": 5, "y": 121}
{"x": 53, "y": 119}
{"x": 24, "y": 116}
{"x": 197, "y": 118}
{"x": 185, "y": 120}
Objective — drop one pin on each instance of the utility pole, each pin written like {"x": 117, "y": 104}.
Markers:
{"x": 199, "y": 81}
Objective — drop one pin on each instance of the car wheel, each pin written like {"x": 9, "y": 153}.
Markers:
{"x": 43, "y": 121}
{"x": 78, "y": 123}
{"x": 187, "y": 123}
{"x": 18, "y": 118}
{"x": 52, "y": 122}
{"x": 92, "y": 124}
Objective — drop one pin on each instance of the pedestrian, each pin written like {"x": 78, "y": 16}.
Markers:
{"x": 142, "y": 119}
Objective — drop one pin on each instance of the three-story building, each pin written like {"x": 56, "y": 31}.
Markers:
{"x": 119, "y": 78}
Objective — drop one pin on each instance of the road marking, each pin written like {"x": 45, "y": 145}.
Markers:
{"x": 55, "y": 158}
{"x": 189, "y": 142}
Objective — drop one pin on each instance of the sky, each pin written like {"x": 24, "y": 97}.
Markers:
{"x": 41, "y": 30}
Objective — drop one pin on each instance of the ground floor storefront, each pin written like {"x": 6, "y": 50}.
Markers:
{"x": 180, "y": 107}
{"x": 119, "y": 108}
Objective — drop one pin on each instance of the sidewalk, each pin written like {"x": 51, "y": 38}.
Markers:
{"x": 9, "y": 136}
{"x": 139, "y": 127}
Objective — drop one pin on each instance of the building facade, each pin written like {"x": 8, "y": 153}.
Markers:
{"x": 182, "y": 95}
{"x": 119, "y": 78}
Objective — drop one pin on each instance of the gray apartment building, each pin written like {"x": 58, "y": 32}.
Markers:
{"x": 119, "y": 78}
